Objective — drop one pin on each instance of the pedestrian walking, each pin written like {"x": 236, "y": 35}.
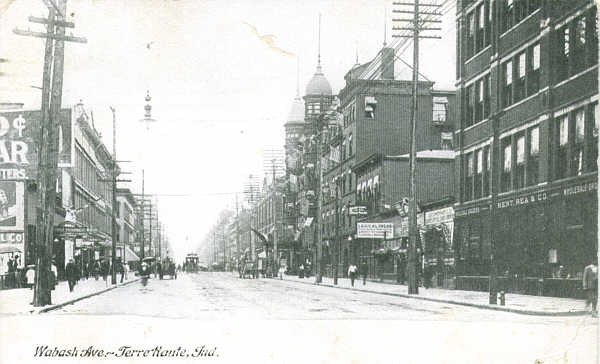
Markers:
{"x": 352, "y": 270}
{"x": 126, "y": 271}
{"x": 301, "y": 271}
{"x": 364, "y": 269}
{"x": 30, "y": 275}
{"x": 97, "y": 269}
{"x": 159, "y": 269}
{"x": 72, "y": 274}
{"x": 53, "y": 276}
{"x": 120, "y": 269}
{"x": 281, "y": 271}
{"x": 12, "y": 268}
{"x": 590, "y": 286}
{"x": 105, "y": 268}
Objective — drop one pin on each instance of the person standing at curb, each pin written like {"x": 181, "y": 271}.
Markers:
{"x": 72, "y": 274}
{"x": 352, "y": 269}
{"x": 590, "y": 286}
{"x": 363, "y": 271}
{"x": 30, "y": 276}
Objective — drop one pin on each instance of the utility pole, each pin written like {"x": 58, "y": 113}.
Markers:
{"x": 237, "y": 227}
{"x": 337, "y": 233}
{"x": 52, "y": 80}
{"x": 416, "y": 27}
{"x": 143, "y": 232}
{"x": 114, "y": 201}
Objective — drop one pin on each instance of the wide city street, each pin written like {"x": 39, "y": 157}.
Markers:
{"x": 219, "y": 295}
{"x": 271, "y": 320}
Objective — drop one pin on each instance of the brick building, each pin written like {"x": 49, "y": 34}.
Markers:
{"x": 527, "y": 79}
{"x": 374, "y": 108}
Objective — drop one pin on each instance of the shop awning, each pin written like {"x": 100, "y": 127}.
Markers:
{"x": 130, "y": 256}
{"x": 9, "y": 249}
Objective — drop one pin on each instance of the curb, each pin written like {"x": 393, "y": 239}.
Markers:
{"x": 69, "y": 302}
{"x": 453, "y": 302}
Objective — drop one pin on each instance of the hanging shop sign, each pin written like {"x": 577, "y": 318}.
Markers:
{"x": 19, "y": 137}
{"x": 357, "y": 211}
{"x": 374, "y": 230}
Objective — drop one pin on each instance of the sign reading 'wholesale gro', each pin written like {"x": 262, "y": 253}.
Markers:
{"x": 374, "y": 230}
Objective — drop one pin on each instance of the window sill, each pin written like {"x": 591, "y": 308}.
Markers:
{"x": 509, "y": 107}
{"x": 489, "y": 46}
{"x": 474, "y": 125}
{"x": 571, "y": 78}
{"x": 519, "y": 23}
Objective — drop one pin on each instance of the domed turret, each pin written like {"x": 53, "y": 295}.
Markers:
{"x": 318, "y": 84}
{"x": 296, "y": 114}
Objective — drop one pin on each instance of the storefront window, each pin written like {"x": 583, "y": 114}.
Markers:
{"x": 563, "y": 139}
{"x": 520, "y": 167}
{"x": 577, "y": 153}
{"x": 479, "y": 175}
{"x": 533, "y": 164}
{"x": 507, "y": 165}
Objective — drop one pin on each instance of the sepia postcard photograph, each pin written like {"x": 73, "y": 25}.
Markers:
{"x": 299, "y": 181}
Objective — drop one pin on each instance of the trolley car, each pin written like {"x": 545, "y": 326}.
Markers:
{"x": 191, "y": 264}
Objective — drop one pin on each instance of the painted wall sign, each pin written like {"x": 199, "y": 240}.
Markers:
{"x": 19, "y": 134}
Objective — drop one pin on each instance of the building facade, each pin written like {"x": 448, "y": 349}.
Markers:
{"x": 527, "y": 157}
{"x": 374, "y": 119}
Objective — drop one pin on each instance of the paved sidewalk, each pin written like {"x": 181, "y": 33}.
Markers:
{"x": 517, "y": 303}
{"x": 18, "y": 301}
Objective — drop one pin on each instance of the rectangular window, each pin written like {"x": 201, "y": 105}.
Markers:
{"x": 577, "y": 150}
{"x": 471, "y": 35}
{"x": 486, "y": 96}
{"x": 486, "y": 171}
{"x": 446, "y": 141}
{"x": 563, "y": 140}
{"x": 591, "y": 37}
{"x": 469, "y": 178}
{"x": 479, "y": 90}
{"x": 505, "y": 183}
{"x": 479, "y": 174}
{"x": 507, "y": 15}
{"x": 480, "y": 29}
{"x": 520, "y": 81}
{"x": 578, "y": 57}
{"x": 489, "y": 21}
{"x": 440, "y": 109}
{"x": 507, "y": 72}
{"x": 593, "y": 157}
{"x": 469, "y": 92}
{"x": 533, "y": 70}
{"x": 533, "y": 163}
{"x": 520, "y": 167}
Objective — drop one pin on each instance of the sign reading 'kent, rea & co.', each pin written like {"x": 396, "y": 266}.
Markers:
{"x": 19, "y": 136}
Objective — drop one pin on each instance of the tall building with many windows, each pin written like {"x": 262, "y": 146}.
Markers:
{"x": 527, "y": 157}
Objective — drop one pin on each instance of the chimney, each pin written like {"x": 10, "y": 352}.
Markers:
{"x": 387, "y": 63}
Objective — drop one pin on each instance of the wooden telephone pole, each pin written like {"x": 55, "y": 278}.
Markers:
{"x": 416, "y": 26}
{"x": 48, "y": 138}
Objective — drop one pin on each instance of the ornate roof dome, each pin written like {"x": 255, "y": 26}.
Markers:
{"x": 318, "y": 84}
{"x": 296, "y": 114}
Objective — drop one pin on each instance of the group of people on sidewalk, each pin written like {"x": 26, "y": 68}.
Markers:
{"x": 74, "y": 273}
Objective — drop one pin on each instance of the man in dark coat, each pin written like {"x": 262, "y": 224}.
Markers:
{"x": 363, "y": 270}
{"x": 72, "y": 274}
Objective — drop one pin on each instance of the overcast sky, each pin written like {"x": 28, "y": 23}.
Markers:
{"x": 220, "y": 95}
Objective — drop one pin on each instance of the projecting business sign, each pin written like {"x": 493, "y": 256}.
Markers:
{"x": 357, "y": 211}
{"x": 19, "y": 136}
{"x": 374, "y": 230}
